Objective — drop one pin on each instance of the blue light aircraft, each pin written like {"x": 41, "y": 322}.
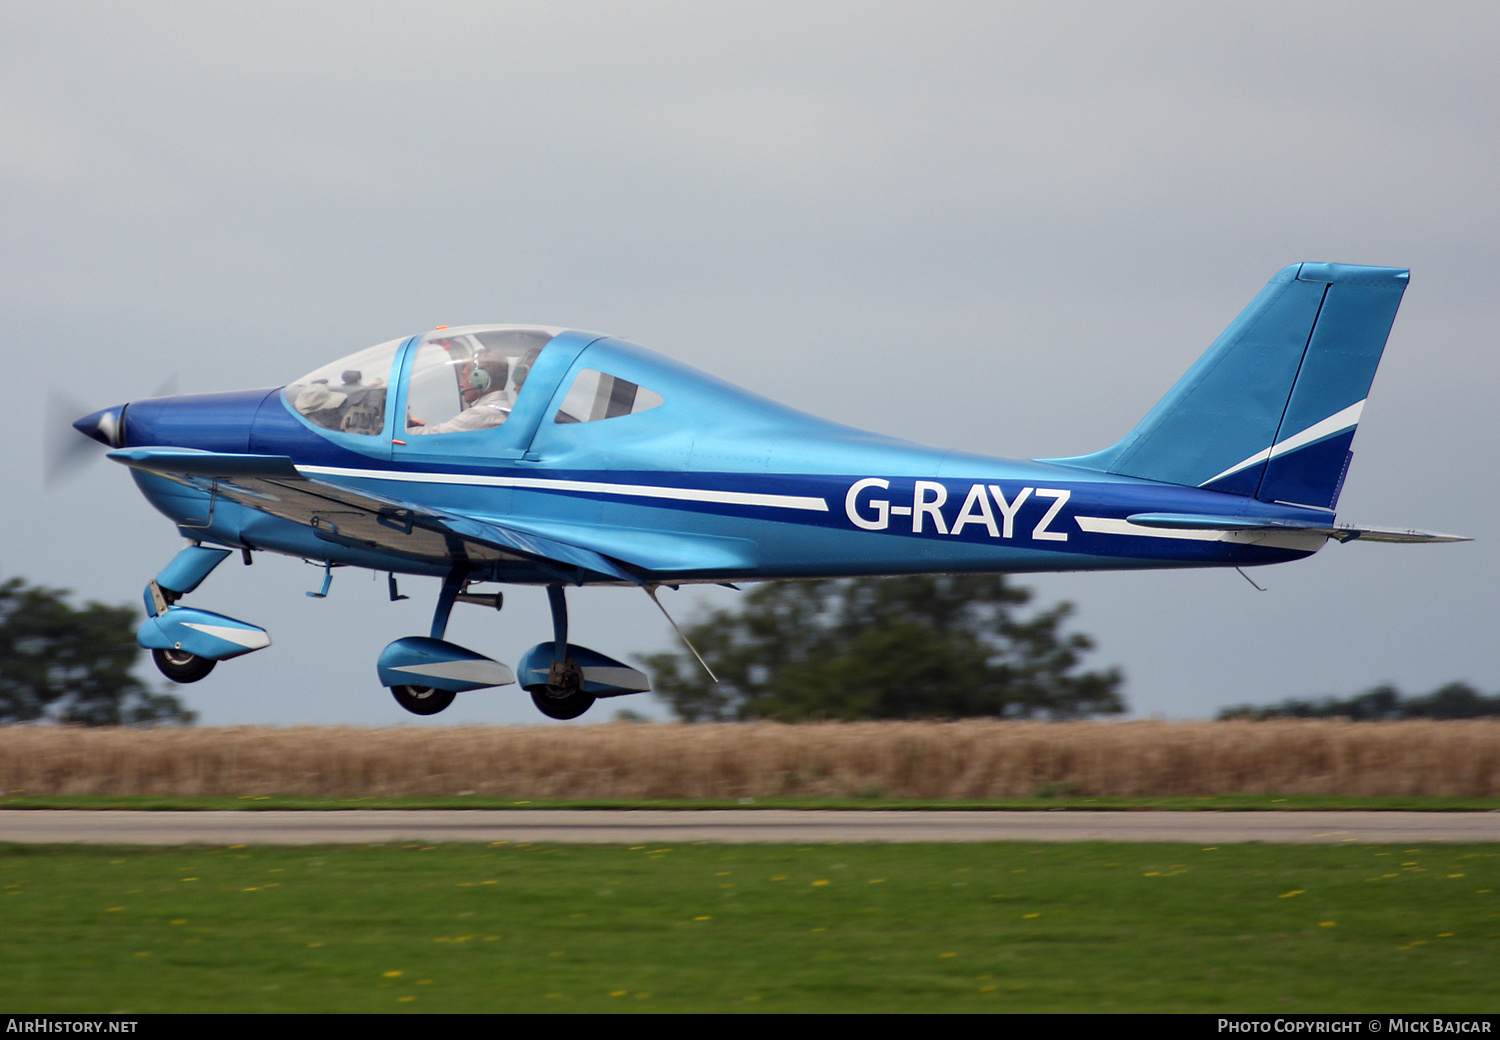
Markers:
{"x": 522, "y": 454}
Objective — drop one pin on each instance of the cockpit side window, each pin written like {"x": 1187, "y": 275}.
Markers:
{"x": 596, "y": 395}
{"x": 469, "y": 379}
{"x": 348, "y": 395}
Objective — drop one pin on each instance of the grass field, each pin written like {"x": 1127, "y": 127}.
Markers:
{"x": 751, "y": 928}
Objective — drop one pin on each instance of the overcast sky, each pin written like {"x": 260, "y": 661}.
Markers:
{"x": 1006, "y": 229}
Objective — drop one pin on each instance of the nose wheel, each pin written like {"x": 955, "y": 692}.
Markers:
{"x": 181, "y": 666}
{"x": 422, "y": 700}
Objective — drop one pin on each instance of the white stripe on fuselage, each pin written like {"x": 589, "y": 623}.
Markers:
{"x": 736, "y": 498}
{"x": 1338, "y": 422}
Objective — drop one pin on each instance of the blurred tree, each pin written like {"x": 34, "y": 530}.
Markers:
{"x": 73, "y": 665}
{"x": 1456, "y": 700}
{"x": 944, "y": 646}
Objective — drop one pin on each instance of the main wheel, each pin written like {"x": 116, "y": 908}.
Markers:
{"x": 422, "y": 700}
{"x": 181, "y": 666}
{"x": 556, "y": 702}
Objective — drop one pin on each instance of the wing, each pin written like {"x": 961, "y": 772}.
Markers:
{"x": 363, "y": 519}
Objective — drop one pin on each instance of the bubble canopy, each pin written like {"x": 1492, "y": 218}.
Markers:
{"x": 468, "y": 378}
{"x": 347, "y": 394}
{"x": 451, "y": 371}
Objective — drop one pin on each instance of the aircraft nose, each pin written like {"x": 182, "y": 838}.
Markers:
{"x": 104, "y": 426}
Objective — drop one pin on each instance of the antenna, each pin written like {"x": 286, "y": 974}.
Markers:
{"x": 651, "y": 591}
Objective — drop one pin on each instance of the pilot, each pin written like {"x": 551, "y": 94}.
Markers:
{"x": 487, "y": 403}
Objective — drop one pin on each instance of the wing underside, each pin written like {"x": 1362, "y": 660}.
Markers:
{"x": 359, "y": 518}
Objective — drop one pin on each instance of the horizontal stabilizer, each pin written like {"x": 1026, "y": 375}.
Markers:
{"x": 1348, "y": 533}
{"x": 1339, "y": 532}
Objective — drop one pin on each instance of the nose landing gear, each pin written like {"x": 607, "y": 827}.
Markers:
{"x": 181, "y": 666}
{"x": 186, "y": 642}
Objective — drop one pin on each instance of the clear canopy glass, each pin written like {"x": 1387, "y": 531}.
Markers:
{"x": 468, "y": 378}
{"x": 349, "y": 394}
{"x": 597, "y": 395}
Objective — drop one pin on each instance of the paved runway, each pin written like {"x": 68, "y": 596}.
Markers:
{"x": 661, "y": 827}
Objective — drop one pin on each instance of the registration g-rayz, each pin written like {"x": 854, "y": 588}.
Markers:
{"x": 523, "y": 454}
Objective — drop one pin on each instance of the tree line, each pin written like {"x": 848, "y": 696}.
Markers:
{"x": 1455, "y": 700}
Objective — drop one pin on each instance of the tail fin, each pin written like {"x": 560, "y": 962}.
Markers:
{"x": 1270, "y": 410}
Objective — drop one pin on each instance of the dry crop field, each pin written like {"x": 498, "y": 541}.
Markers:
{"x": 970, "y": 759}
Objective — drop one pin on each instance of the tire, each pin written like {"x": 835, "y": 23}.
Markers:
{"x": 556, "y": 703}
{"x": 422, "y": 700}
{"x": 181, "y": 666}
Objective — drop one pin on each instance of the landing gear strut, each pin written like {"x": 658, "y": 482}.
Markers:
{"x": 429, "y": 700}
{"x": 562, "y": 696}
{"x": 425, "y": 673}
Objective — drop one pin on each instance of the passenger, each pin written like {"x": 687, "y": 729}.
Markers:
{"x": 317, "y": 397}
{"x": 487, "y": 403}
{"x": 523, "y": 367}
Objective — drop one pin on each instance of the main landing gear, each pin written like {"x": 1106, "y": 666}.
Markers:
{"x": 556, "y": 701}
{"x": 564, "y": 679}
{"x": 422, "y": 700}
{"x": 425, "y": 673}
{"x": 562, "y": 696}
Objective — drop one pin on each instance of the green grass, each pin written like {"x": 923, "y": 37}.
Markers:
{"x": 1012, "y": 926}
{"x": 1189, "y": 803}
